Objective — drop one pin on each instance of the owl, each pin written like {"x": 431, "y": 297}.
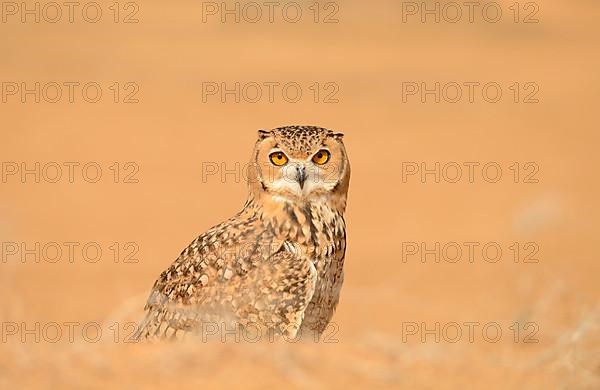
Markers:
{"x": 275, "y": 266}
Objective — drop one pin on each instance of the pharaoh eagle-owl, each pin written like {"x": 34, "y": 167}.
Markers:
{"x": 277, "y": 265}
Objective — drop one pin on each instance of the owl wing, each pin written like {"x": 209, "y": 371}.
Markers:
{"x": 284, "y": 286}
{"x": 232, "y": 274}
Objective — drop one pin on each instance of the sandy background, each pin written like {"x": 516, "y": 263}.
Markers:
{"x": 170, "y": 133}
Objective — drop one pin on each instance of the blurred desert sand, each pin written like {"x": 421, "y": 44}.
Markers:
{"x": 369, "y": 53}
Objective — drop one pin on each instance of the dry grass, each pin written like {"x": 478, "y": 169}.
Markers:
{"x": 567, "y": 356}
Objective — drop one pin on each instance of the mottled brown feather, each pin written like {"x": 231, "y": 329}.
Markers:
{"x": 277, "y": 265}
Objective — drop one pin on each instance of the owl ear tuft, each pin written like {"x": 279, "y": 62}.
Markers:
{"x": 338, "y": 136}
{"x": 262, "y": 134}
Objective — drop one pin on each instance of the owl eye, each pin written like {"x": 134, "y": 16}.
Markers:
{"x": 321, "y": 157}
{"x": 278, "y": 158}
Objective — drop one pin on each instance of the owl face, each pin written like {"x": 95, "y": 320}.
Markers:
{"x": 301, "y": 162}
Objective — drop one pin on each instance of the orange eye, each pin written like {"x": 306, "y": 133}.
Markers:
{"x": 321, "y": 157}
{"x": 278, "y": 158}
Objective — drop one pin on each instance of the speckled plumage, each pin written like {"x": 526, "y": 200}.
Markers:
{"x": 278, "y": 263}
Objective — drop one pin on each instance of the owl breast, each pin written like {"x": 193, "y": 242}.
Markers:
{"x": 319, "y": 234}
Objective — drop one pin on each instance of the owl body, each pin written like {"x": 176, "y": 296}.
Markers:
{"x": 277, "y": 265}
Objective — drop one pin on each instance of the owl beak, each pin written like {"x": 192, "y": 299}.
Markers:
{"x": 301, "y": 176}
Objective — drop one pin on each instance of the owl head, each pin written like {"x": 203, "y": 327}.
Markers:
{"x": 299, "y": 163}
